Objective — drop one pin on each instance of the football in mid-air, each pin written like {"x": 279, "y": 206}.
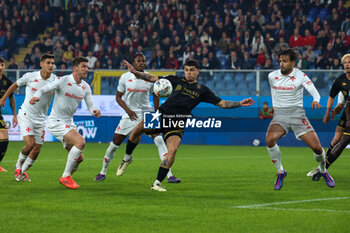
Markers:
{"x": 162, "y": 88}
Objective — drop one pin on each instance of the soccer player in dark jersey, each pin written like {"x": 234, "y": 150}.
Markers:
{"x": 341, "y": 84}
{"x": 186, "y": 95}
{"x": 5, "y": 83}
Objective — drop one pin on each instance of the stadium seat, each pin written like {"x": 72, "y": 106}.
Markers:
{"x": 228, "y": 76}
{"x": 323, "y": 14}
{"x": 313, "y": 12}
{"x": 250, "y": 77}
{"x": 217, "y": 76}
{"x": 238, "y": 77}
{"x": 210, "y": 84}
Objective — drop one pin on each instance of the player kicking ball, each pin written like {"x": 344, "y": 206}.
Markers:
{"x": 70, "y": 90}
{"x": 135, "y": 101}
{"x": 32, "y": 118}
{"x": 186, "y": 95}
{"x": 287, "y": 86}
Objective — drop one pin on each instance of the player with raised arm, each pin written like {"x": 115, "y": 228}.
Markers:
{"x": 32, "y": 118}
{"x": 133, "y": 97}
{"x": 330, "y": 159}
{"x": 70, "y": 90}
{"x": 5, "y": 83}
{"x": 287, "y": 86}
{"x": 187, "y": 94}
{"x": 340, "y": 84}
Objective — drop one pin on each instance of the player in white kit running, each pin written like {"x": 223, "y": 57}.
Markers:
{"x": 32, "y": 118}
{"x": 287, "y": 86}
{"x": 135, "y": 101}
{"x": 70, "y": 90}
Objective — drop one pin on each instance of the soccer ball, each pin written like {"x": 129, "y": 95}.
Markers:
{"x": 162, "y": 88}
{"x": 256, "y": 142}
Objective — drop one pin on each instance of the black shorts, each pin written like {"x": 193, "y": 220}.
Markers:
{"x": 342, "y": 121}
{"x": 2, "y": 123}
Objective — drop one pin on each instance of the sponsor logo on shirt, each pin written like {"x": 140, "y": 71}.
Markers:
{"x": 136, "y": 90}
{"x": 74, "y": 96}
{"x": 287, "y": 88}
{"x": 34, "y": 89}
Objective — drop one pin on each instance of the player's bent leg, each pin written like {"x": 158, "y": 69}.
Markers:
{"x": 127, "y": 160}
{"x": 273, "y": 134}
{"x": 29, "y": 141}
{"x": 109, "y": 155}
{"x": 30, "y": 161}
{"x": 3, "y": 145}
{"x": 311, "y": 139}
{"x": 163, "y": 151}
{"x": 173, "y": 142}
{"x": 76, "y": 142}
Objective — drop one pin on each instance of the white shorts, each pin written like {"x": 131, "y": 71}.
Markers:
{"x": 126, "y": 125}
{"x": 29, "y": 128}
{"x": 299, "y": 125}
{"x": 60, "y": 128}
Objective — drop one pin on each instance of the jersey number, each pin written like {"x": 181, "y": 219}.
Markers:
{"x": 305, "y": 122}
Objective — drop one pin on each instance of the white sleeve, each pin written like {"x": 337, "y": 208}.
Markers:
{"x": 121, "y": 85}
{"x": 270, "y": 79}
{"x": 23, "y": 80}
{"x": 49, "y": 87}
{"x": 341, "y": 99}
{"x": 309, "y": 86}
{"x": 89, "y": 101}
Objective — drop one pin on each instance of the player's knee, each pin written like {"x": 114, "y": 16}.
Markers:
{"x": 36, "y": 150}
{"x": 28, "y": 146}
{"x": 80, "y": 144}
{"x": 270, "y": 141}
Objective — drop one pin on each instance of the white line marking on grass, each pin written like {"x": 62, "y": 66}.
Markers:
{"x": 307, "y": 210}
{"x": 291, "y": 202}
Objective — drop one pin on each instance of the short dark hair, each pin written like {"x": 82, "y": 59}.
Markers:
{"x": 290, "y": 53}
{"x": 266, "y": 103}
{"x": 2, "y": 60}
{"x": 137, "y": 55}
{"x": 191, "y": 62}
{"x": 47, "y": 56}
{"x": 76, "y": 61}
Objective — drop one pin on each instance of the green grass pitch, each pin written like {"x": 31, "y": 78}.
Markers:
{"x": 223, "y": 189}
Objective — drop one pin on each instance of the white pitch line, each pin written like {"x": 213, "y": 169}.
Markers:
{"x": 290, "y": 202}
{"x": 303, "y": 210}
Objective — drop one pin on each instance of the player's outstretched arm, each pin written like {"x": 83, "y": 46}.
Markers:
{"x": 142, "y": 75}
{"x": 9, "y": 92}
{"x": 326, "y": 117}
{"x": 235, "y": 104}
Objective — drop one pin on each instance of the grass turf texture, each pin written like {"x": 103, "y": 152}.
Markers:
{"x": 215, "y": 180}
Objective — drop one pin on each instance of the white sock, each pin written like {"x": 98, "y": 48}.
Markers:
{"x": 73, "y": 155}
{"x": 127, "y": 157}
{"x": 275, "y": 155}
{"x": 157, "y": 182}
{"x": 27, "y": 164}
{"x": 162, "y": 150}
{"x": 321, "y": 159}
{"x": 108, "y": 157}
{"x": 75, "y": 167}
{"x": 20, "y": 161}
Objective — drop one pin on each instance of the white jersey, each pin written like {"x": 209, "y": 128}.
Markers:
{"x": 33, "y": 81}
{"x": 136, "y": 92}
{"x": 68, "y": 95}
{"x": 287, "y": 91}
